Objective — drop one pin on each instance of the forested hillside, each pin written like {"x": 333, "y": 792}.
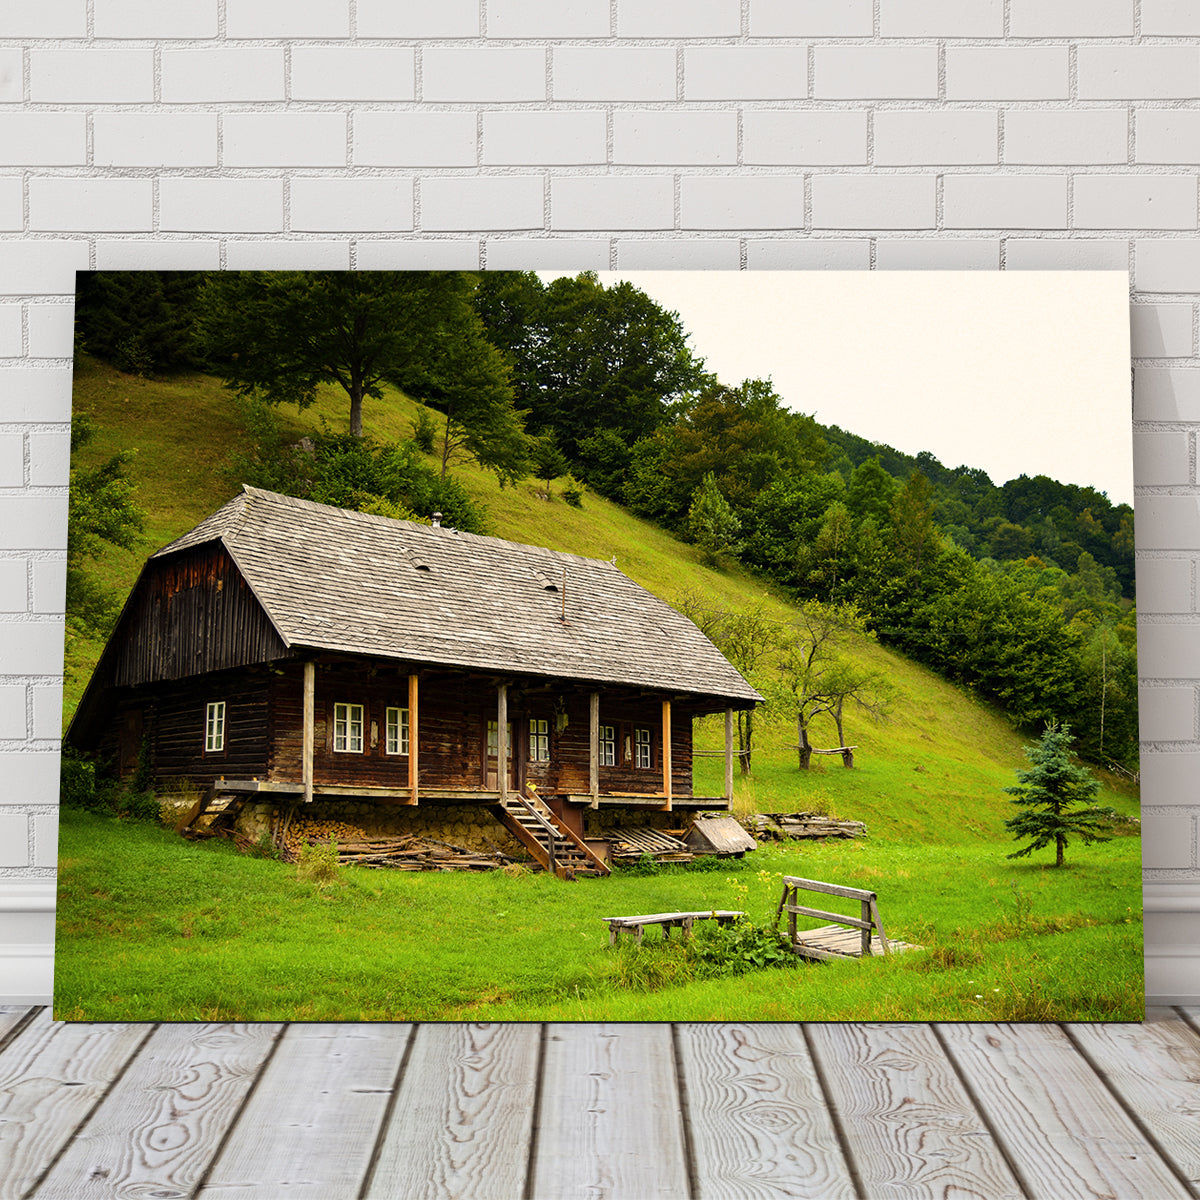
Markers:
{"x": 1021, "y": 592}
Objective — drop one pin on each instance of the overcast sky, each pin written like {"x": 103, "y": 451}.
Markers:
{"x": 1022, "y": 372}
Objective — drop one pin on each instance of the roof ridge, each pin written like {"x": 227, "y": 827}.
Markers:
{"x": 264, "y": 495}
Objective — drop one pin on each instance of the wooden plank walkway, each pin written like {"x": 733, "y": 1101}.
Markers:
{"x": 609, "y": 1112}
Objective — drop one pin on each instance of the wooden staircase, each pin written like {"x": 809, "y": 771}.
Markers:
{"x": 220, "y": 807}
{"x": 552, "y": 844}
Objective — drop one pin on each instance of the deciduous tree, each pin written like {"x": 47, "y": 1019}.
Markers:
{"x": 280, "y": 335}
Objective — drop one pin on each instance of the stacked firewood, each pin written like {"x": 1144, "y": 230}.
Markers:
{"x": 405, "y": 852}
{"x": 782, "y": 826}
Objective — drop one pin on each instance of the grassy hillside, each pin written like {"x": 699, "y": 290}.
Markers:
{"x": 933, "y": 770}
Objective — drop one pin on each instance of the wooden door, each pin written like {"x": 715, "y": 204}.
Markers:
{"x": 491, "y": 775}
{"x": 130, "y": 743}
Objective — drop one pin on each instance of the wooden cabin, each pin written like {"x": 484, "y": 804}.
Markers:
{"x": 294, "y": 649}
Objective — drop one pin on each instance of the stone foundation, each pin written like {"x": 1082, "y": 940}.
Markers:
{"x": 471, "y": 826}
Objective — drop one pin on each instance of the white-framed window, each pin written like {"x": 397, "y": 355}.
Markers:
{"x": 608, "y": 745}
{"x": 214, "y": 727}
{"x": 397, "y": 731}
{"x": 539, "y": 740}
{"x": 641, "y": 748}
{"x": 348, "y": 728}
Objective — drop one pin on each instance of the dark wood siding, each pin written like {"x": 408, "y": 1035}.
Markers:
{"x": 450, "y": 716}
{"x": 173, "y": 728}
{"x": 453, "y": 712}
{"x": 192, "y": 613}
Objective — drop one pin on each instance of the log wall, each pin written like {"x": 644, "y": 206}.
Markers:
{"x": 453, "y": 712}
{"x": 172, "y": 722}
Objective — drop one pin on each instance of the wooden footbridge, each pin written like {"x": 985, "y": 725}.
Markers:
{"x": 847, "y": 937}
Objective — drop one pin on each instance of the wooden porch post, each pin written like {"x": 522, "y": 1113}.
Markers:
{"x": 413, "y": 739}
{"x": 502, "y": 741}
{"x": 310, "y": 709}
{"x": 729, "y": 757}
{"x": 594, "y": 748}
{"x": 666, "y": 751}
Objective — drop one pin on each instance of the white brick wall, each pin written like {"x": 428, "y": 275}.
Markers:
{"x": 814, "y": 134}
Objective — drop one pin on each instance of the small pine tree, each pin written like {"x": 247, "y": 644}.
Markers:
{"x": 548, "y": 461}
{"x": 711, "y": 523}
{"x": 1049, "y": 794}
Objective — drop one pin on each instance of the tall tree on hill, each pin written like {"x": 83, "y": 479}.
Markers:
{"x": 813, "y": 677}
{"x": 586, "y": 357}
{"x": 711, "y": 523}
{"x": 914, "y": 539}
{"x": 744, "y": 437}
{"x": 279, "y": 335}
{"x": 102, "y": 513}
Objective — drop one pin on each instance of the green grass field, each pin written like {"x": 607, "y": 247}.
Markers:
{"x": 154, "y": 928}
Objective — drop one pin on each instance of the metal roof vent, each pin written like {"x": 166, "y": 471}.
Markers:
{"x": 437, "y": 520}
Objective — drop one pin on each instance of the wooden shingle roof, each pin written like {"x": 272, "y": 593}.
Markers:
{"x": 336, "y": 580}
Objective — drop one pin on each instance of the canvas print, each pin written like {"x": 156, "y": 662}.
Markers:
{"x": 506, "y": 646}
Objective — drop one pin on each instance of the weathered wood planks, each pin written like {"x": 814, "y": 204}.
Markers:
{"x": 707, "y": 1111}
{"x": 760, "y": 1129}
{"x": 1155, "y": 1069}
{"x": 51, "y": 1077}
{"x": 1061, "y": 1127}
{"x": 610, "y": 1122}
{"x": 463, "y": 1116}
{"x": 310, "y": 1127}
{"x": 910, "y": 1126}
{"x": 159, "y": 1127}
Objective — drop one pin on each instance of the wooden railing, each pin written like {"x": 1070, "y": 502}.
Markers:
{"x": 869, "y": 923}
{"x": 556, "y": 835}
{"x": 552, "y": 832}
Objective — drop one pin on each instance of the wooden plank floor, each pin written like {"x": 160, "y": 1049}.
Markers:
{"x": 603, "y": 1112}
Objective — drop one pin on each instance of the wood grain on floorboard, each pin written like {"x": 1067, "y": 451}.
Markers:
{"x": 606, "y": 1112}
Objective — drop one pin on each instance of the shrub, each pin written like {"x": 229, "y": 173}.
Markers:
{"x": 573, "y": 494}
{"x": 424, "y": 430}
{"x": 138, "y": 805}
{"x": 741, "y": 946}
{"x": 318, "y": 863}
{"x": 714, "y": 952}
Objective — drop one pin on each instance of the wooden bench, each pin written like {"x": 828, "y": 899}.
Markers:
{"x": 667, "y": 921}
{"x": 832, "y": 941}
{"x": 847, "y": 753}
